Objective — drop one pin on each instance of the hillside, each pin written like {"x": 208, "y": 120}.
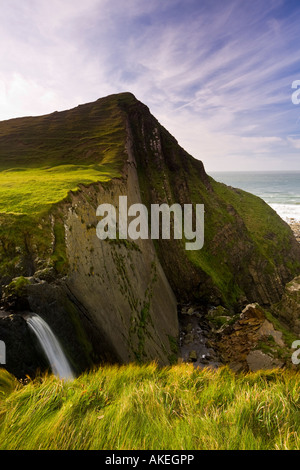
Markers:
{"x": 117, "y": 300}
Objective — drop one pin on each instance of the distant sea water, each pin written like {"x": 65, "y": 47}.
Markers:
{"x": 279, "y": 189}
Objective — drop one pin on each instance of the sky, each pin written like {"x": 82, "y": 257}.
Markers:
{"x": 217, "y": 74}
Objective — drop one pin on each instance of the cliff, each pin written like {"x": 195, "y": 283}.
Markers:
{"x": 116, "y": 300}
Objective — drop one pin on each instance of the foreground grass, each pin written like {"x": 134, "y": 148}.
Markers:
{"x": 147, "y": 407}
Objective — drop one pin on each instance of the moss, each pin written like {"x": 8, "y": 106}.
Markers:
{"x": 128, "y": 244}
{"x": 288, "y": 336}
{"x": 173, "y": 356}
{"x": 43, "y": 160}
{"x": 59, "y": 257}
{"x": 141, "y": 319}
{"x": 17, "y": 287}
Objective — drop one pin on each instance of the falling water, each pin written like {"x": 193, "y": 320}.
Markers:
{"x": 57, "y": 360}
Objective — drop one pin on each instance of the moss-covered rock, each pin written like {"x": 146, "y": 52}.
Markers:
{"x": 14, "y": 295}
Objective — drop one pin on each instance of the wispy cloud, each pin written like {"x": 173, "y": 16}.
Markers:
{"x": 217, "y": 74}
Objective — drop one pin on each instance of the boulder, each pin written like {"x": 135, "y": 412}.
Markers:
{"x": 257, "y": 360}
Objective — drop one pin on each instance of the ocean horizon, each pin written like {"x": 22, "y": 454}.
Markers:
{"x": 279, "y": 189}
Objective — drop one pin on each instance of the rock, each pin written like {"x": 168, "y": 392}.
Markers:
{"x": 289, "y": 307}
{"x": 295, "y": 226}
{"x": 252, "y": 311}
{"x": 267, "y": 329}
{"x": 189, "y": 338}
{"x": 257, "y": 360}
{"x": 23, "y": 354}
{"x": 189, "y": 310}
{"x": 193, "y": 356}
{"x": 14, "y": 295}
{"x": 238, "y": 344}
{"x": 46, "y": 274}
{"x": 218, "y": 311}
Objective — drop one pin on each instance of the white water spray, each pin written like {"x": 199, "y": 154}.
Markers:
{"x": 53, "y": 350}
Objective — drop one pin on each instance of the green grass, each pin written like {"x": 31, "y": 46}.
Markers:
{"x": 264, "y": 226}
{"x": 34, "y": 190}
{"x": 147, "y": 407}
{"x": 43, "y": 159}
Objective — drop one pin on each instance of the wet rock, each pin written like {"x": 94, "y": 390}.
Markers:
{"x": 194, "y": 341}
{"x": 23, "y": 355}
{"x": 189, "y": 338}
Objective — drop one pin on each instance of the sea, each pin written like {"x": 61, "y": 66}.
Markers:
{"x": 279, "y": 189}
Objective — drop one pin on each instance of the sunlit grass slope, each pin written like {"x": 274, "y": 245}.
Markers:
{"x": 33, "y": 191}
{"x": 43, "y": 158}
{"x": 146, "y": 407}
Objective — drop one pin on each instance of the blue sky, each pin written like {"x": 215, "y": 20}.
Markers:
{"x": 217, "y": 74}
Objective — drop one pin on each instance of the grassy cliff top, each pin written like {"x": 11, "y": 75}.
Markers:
{"x": 43, "y": 158}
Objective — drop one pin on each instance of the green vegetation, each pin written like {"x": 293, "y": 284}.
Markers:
{"x": 147, "y": 407}
{"x": 264, "y": 226}
{"x": 240, "y": 231}
{"x": 42, "y": 159}
{"x": 34, "y": 190}
{"x": 17, "y": 287}
{"x": 45, "y": 157}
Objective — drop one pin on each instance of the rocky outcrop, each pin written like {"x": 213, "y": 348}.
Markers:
{"x": 23, "y": 356}
{"x": 251, "y": 342}
{"x": 288, "y": 309}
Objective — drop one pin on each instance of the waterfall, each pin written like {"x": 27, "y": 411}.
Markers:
{"x": 53, "y": 350}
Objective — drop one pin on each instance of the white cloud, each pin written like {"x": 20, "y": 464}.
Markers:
{"x": 218, "y": 79}
{"x": 294, "y": 142}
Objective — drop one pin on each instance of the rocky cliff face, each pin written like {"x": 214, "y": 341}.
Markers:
{"x": 288, "y": 309}
{"x": 116, "y": 300}
{"x": 249, "y": 252}
{"x": 120, "y": 282}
